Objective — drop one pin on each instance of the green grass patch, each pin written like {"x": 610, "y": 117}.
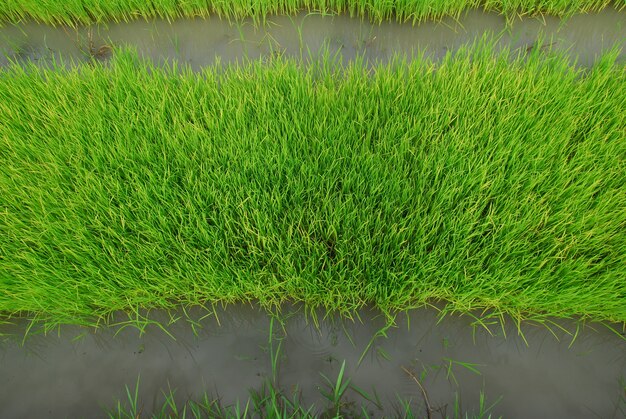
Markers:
{"x": 486, "y": 181}
{"x": 83, "y": 11}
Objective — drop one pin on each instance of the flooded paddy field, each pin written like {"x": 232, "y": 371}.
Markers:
{"x": 561, "y": 369}
{"x": 77, "y": 372}
{"x": 202, "y": 42}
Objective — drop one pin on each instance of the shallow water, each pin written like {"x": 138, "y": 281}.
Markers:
{"x": 75, "y": 372}
{"x": 201, "y": 42}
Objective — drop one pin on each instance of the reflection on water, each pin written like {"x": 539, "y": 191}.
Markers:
{"x": 76, "y": 372}
{"x": 200, "y": 42}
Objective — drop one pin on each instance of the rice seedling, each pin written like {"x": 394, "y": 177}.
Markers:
{"x": 274, "y": 404}
{"x": 336, "y": 390}
{"x": 132, "y": 408}
{"x": 442, "y": 410}
{"x": 83, "y": 11}
{"x": 485, "y": 181}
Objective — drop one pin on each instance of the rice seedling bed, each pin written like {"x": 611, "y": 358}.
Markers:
{"x": 74, "y": 11}
{"x": 485, "y": 181}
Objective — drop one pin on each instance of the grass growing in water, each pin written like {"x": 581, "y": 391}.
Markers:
{"x": 83, "y": 11}
{"x": 340, "y": 399}
{"x": 276, "y": 403}
{"x": 480, "y": 181}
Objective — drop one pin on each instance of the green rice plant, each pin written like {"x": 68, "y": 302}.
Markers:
{"x": 133, "y": 410}
{"x": 457, "y": 410}
{"x": 336, "y": 391}
{"x": 264, "y": 406}
{"x": 483, "y": 409}
{"x": 403, "y": 409}
{"x": 485, "y": 182}
{"x": 272, "y": 402}
{"x": 170, "y": 408}
{"x": 84, "y": 11}
{"x": 450, "y": 363}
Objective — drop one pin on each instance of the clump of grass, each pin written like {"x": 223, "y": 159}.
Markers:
{"x": 87, "y": 11}
{"x": 488, "y": 182}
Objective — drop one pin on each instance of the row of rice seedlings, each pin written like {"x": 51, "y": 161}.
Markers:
{"x": 342, "y": 398}
{"x": 271, "y": 402}
{"x": 83, "y": 11}
{"x": 486, "y": 181}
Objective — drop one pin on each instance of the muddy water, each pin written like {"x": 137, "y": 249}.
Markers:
{"x": 200, "y": 42}
{"x": 74, "y": 372}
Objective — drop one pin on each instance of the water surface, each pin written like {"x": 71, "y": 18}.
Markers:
{"x": 202, "y": 42}
{"x": 75, "y": 372}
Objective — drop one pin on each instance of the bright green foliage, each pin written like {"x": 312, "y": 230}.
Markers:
{"x": 73, "y": 11}
{"x": 484, "y": 181}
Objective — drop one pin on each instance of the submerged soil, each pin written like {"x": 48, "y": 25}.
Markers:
{"x": 78, "y": 371}
{"x": 202, "y": 42}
